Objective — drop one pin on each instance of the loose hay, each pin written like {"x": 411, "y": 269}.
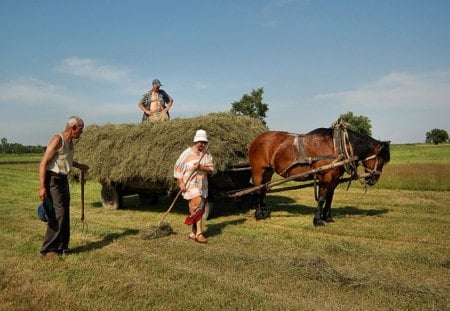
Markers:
{"x": 319, "y": 269}
{"x": 147, "y": 152}
{"x": 156, "y": 232}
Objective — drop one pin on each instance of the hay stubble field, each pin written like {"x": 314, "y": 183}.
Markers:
{"x": 388, "y": 249}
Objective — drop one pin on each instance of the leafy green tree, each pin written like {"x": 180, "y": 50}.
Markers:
{"x": 251, "y": 105}
{"x": 359, "y": 124}
{"x": 436, "y": 136}
{"x": 3, "y": 145}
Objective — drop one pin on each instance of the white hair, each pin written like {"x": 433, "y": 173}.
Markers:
{"x": 74, "y": 120}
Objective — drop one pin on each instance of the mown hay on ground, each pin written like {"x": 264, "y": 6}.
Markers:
{"x": 147, "y": 152}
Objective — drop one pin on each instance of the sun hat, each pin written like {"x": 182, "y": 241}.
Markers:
{"x": 157, "y": 82}
{"x": 200, "y": 135}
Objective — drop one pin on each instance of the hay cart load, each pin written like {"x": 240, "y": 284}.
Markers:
{"x": 138, "y": 159}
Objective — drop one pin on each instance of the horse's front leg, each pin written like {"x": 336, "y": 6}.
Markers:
{"x": 326, "y": 215}
{"x": 318, "y": 220}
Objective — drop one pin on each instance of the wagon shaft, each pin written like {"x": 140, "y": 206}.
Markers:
{"x": 270, "y": 184}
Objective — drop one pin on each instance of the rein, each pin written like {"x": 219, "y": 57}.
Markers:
{"x": 340, "y": 142}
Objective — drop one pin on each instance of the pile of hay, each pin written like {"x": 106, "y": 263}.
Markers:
{"x": 148, "y": 151}
{"x": 156, "y": 232}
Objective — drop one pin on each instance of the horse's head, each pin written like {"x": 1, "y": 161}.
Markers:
{"x": 374, "y": 162}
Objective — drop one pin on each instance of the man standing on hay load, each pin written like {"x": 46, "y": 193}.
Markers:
{"x": 54, "y": 168}
{"x": 155, "y": 104}
{"x": 191, "y": 171}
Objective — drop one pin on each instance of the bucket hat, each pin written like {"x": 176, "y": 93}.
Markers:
{"x": 200, "y": 135}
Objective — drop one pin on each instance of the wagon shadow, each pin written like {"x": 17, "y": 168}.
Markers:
{"x": 107, "y": 239}
{"x": 227, "y": 207}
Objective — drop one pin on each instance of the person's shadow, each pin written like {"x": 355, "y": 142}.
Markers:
{"x": 107, "y": 239}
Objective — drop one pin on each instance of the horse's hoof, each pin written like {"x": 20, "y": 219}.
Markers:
{"x": 265, "y": 215}
{"x": 329, "y": 219}
{"x": 318, "y": 222}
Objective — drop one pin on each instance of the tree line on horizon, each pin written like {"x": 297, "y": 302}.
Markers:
{"x": 15, "y": 148}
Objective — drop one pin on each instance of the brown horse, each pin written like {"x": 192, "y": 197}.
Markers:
{"x": 291, "y": 154}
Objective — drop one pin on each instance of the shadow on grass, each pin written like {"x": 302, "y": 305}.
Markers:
{"x": 355, "y": 211}
{"x": 216, "y": 229}
{"x": 227, "y": 207}
{"x": 286, "y": 204}
{"x": 107, "y": 239}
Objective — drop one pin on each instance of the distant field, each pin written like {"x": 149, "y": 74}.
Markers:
{"x": 420, "y": 153}
{"x": 418, "y": 167}
{"x": 19, "y": 158}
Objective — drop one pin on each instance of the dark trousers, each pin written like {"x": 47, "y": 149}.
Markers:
{"x": 57, "y": 236}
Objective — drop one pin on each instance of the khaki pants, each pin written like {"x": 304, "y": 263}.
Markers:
{"x": 159, "y": 116}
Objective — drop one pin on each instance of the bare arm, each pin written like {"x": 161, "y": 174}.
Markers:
{"x": 80, "y": 166}
{"x": 181, "y": 184}
{"x": 142, "y": 106}
{"x": 205, "y": 168}
{"x": 145, "y": 110}
{"x": 169, "y": 104}
{"x": 52, "y": 148}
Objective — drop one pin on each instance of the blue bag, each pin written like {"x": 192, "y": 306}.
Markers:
{"x": 45, "y": 210}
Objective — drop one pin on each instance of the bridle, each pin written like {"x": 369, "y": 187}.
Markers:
{"x": 344, "y": 148}
{"x": 370, "y": 172}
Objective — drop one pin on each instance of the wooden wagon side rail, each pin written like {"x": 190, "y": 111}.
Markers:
{"x": 270, "y": 184}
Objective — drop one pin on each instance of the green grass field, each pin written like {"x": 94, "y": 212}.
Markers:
{"x": 388, "y": 249}
{"x": 418, "y": 167}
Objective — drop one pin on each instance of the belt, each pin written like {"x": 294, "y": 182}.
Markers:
{"x": 51, "y": 173}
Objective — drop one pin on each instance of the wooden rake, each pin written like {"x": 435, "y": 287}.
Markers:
{"x": 179, "y": 191}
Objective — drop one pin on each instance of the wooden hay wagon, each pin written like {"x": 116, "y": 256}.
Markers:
{"x": 130, "y": 159}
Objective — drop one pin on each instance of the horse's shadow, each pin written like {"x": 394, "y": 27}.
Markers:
{"x": 281, "y": 203}
{"x": 107, "y": 239}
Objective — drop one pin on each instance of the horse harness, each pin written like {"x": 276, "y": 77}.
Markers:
{"x": 301, "y": 158}
{"x": 343, "y": 150}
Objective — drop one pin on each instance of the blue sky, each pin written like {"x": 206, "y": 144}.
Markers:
{"x": 387, "y": 60}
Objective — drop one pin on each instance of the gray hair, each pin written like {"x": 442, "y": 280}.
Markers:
{"x": 74, "y": 120}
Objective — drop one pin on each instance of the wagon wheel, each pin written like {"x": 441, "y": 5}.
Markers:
{"x": 111, "y": 197}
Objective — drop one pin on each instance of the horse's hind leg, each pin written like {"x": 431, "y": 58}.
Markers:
{"x": 261, "y": 209}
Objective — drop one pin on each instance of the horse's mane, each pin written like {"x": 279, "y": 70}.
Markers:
{"x": 362, "y": 144}
{"x": 321, "y": 131}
